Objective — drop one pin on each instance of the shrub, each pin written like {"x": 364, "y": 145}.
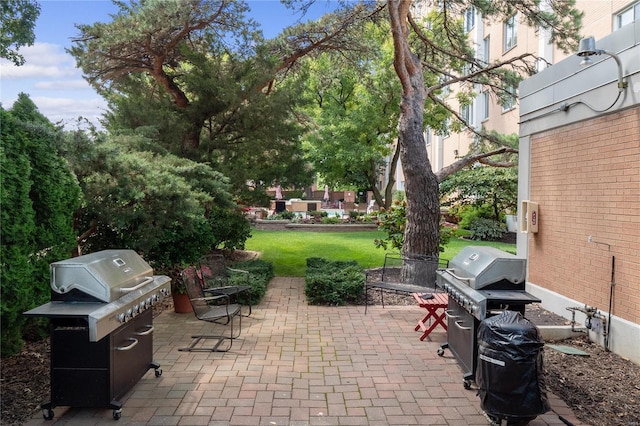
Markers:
{"x": 469, "y": 214}
{"x": 156, "y": 204}
{"x": 393, "y": 222}
{"x": 283, "y": 215}
{"x": 445, "y": 236}
{"x": 39, "y": 195}
{"x": 333, "y": 282}
{"x": 260, "y": 273}
{"x": 318, "y": 213}
{"x": 330, "y": 220}
{"x": 487, "y": 230}
{"x": 230, "y": 228}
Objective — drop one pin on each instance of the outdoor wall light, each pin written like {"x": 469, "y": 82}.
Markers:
{"x": 587, "y": 48}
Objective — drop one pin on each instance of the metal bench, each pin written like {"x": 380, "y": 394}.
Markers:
{"x": 403, "y": 273}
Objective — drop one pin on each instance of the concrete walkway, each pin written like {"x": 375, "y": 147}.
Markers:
{"x": 296, "y": 364}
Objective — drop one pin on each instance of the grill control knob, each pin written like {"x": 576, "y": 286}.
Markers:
{"x": 122, "y": 317}
{"x": 129, "y": 313}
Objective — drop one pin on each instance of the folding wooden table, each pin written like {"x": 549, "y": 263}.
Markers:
{"x": 433, "y": 305}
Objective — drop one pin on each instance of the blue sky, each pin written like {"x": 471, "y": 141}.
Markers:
{"x": 50, "y": 76}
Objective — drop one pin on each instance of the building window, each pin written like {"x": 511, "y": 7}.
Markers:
{"x": 510, "y": 33}
{"x": 486, "y": 50}
{"x": 469, "y": 18}
{"x": 446, "y": 132}
{"x": 484, "y": 104}
{"x": 466, "y": 112}
{"x": 508, "y": 98}
{"x": 627, "y": 16}
{"x": 427, "y": 136}
{"x": 445, "y": 89}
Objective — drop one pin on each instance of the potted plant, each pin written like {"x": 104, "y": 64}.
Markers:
{"x": 181, "y": 303}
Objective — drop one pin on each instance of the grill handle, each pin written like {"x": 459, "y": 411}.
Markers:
{"x": 456, "y": 276}
{"x": 461, "y": 327}
{"x": 448, "y": 314}
{"x": 146, "y": 332}
{"x": 129, "y": 347}
{"x": 146, "y": 281}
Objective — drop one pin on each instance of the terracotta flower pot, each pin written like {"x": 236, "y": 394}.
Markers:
{"x": 181, "y": 303}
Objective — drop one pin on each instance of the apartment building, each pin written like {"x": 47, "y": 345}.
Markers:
{"x": 495, "y": 41}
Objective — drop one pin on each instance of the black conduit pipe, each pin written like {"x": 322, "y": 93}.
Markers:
{"x": 612, "y": 286}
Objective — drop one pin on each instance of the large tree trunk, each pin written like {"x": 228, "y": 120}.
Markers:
{"x": 421, "y": 235}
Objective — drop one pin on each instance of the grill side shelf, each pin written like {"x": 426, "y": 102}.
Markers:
{"x": 58, "y": 309}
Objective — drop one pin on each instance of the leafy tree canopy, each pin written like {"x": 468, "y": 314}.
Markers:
{"x": 353, "y": 108}
{"x": 18, "y": 18}
{"x": 195, "y": 72}
{"x": 214, "y": 90}
{"x": 496, "y": 187}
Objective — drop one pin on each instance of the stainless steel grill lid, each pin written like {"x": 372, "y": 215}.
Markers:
{"x": 482, "y": 266}
{"x": 105, "y": 276}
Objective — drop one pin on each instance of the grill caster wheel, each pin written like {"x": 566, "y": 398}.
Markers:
{"x": 440, "y": 352}
{"x": 47, "y": 414}
{"x": 493, "y": 421}
{"x": 466, "y": 384}
{"x": 158, "y": 372}
{"x": 117, "y": 414}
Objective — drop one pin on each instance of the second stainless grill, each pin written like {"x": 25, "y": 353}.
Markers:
{"x": 481, "y": 282}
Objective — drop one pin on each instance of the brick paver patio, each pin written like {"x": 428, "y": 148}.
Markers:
{"x": 296, "y": 364}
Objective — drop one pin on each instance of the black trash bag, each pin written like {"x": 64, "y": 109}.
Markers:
{"x": 510, "y": 373}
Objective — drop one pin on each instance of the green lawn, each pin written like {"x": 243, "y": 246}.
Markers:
{"x": 288, "y": 250}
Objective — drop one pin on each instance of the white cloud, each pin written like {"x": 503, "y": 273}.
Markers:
{"x": 53, "y": 83}
{"x": 42, "y": 60}
{"x": 62, "y": 85}
{"x": 68, "y": 109}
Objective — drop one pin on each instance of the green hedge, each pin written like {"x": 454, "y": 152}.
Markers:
{"x": 39, "y": 196}
{"x": 333, "y": 282}
{"x": 260, "y": 273}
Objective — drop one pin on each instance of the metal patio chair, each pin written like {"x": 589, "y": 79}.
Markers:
{"x": 214, "y": 308}
{"x": 218, "y": 278}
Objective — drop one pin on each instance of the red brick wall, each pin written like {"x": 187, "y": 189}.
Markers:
{"x": 586, "y": 178}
